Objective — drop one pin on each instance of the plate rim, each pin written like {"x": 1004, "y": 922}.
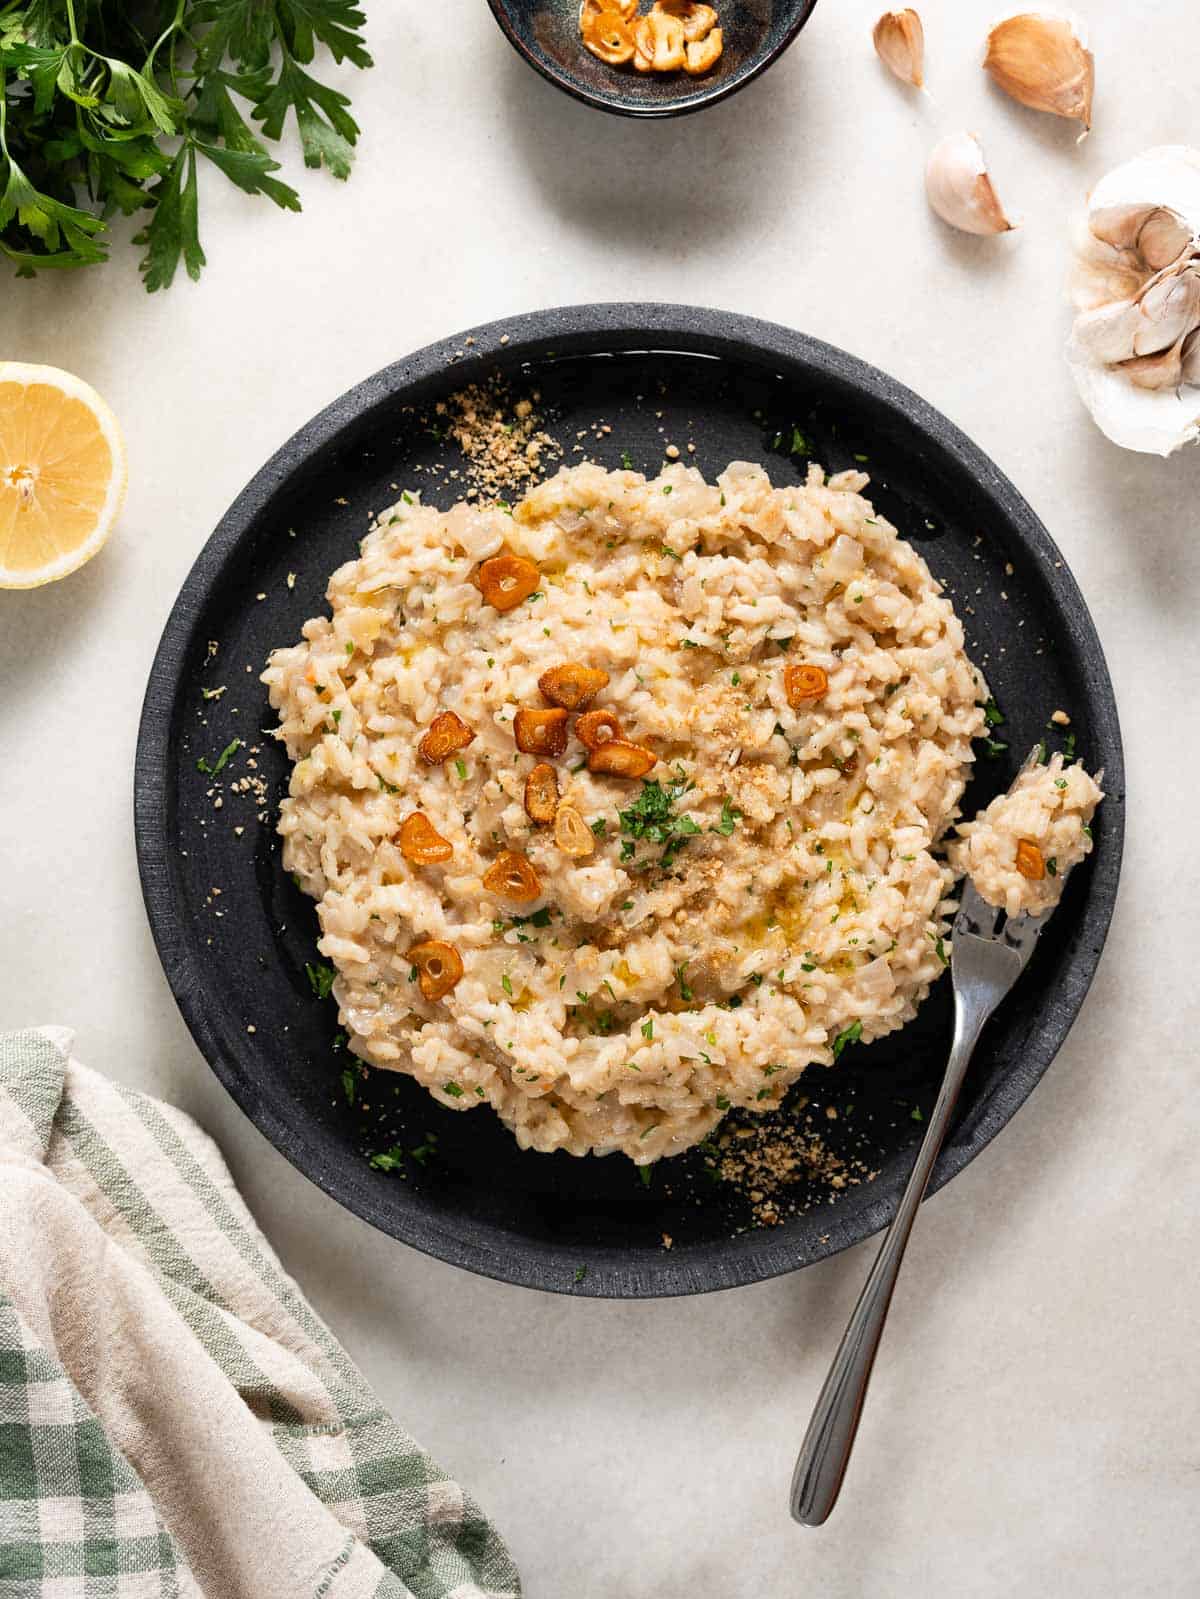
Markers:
{"x": 619, "y": 108}
{"x": 756, "y": 1255}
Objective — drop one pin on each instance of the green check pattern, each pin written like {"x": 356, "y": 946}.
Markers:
{"x": 97, "y": 1179}
{"x": 74, "y": 1519}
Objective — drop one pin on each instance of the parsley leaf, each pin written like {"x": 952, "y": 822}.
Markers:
{"x": 652, "y": 817}
{"x": 730, "y": 817}
{"x": 388, "y": 1159}
{"x": 116, "y": 108}
{"x": 320, "y": 978}
{"x": 211, "y": 768}
{"x": 848, "y": 1035}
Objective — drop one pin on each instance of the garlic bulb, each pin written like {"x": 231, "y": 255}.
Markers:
{"x": 1135, "y": 345}
{"x": 900, "y": 44}
{"x": 959, "y": 189}
{"x": 1041, "y": 58}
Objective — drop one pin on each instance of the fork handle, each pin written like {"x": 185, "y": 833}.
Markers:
{"x": 825, "y": 1452}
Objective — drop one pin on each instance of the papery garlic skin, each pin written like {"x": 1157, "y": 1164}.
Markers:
{"x": 899, "y": 40}
{"x": 1135, "y": 345}
{"x": 959, "y": 189}
{"x": 1041, "y": 59}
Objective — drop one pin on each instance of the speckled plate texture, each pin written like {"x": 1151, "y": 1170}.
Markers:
{"x": 460, "y": 1188}
{"x": 546, "y": 34}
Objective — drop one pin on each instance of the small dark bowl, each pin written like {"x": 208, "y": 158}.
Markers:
{"x": 546, "y": 33}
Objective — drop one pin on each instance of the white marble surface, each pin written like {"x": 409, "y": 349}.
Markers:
{"x": 1033, "y": 1423}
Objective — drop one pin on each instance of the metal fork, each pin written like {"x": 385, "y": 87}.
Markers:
{"x": 990, "y": 951}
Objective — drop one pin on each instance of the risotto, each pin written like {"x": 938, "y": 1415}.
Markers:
{"x": 1019, "y": 850}
{"x": 621, "y": 807}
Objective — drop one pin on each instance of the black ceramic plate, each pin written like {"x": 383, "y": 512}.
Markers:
{"x": 236, "y": 959}
{"x": 546, "y": 33}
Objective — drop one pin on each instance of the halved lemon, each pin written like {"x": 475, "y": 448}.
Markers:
{"x": 62, "y": 474}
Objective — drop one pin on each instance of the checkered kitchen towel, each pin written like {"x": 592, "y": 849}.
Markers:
{"x": 174, "y": 1419}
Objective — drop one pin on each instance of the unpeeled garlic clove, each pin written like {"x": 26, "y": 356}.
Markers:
{"x": 959, "y": 189}
{"x": 1155, "y": 232}
{"x": 1163, "y": 370}
{"x": 899, "y": 42}
{"x": 1041, "y": 58}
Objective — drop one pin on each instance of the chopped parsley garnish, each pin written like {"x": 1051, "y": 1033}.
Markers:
{"x": 730, "y": 817}
{"x": 460, "y": 766}
{"x": 722, "y": 1102}
{"x": 506, "y": 984}
{"x": 674, "y": 554}
{"x": 320, "y": 978}
{"x": 652, "y": 817}
{"x": 992, "y": 714}
{"x": 940, "y": 949}
{"x": 539, "y": 918}
{"x": 848, "y": 1035}
{"x": 799, "y": 444}
{"x": 425, "y": 1152}
{"x": 580, "y": 1273}
{"x": 685, "y": 993}
{"x": 647, "y": 1175}
{"x": 648, "y": 1029}
{"x": 452, "y": 1089}
{"x": 1069, "y": 749}
{"x": 388, "y": 1159}
{"x": 915, "y": 1114}
{"x": 1052, "y": 866}
{"x": 994, "y": 747}
{"x": 222, "y": 760}
{"x": 626, "y": 460}
{"x": 1043, "y": 754}
{"x": 349, "y": 1084}
{"x": 599, "y": 826}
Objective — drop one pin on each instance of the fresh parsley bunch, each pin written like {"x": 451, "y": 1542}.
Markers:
{"x": 111, "y": 105}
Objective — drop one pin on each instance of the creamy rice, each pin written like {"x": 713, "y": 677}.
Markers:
{"x": 1050, "y": 808}
{"x": 638, "y": 999}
